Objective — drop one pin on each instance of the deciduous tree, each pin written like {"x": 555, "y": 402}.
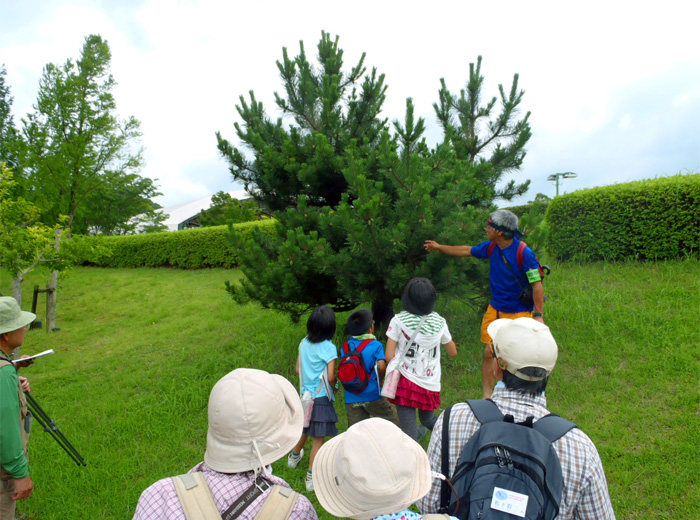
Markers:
{"x": 76, "y": 146}
{"x": 25, "y": 242}
{"x": 225, "y": 209}
{"x": 9, "y": 136}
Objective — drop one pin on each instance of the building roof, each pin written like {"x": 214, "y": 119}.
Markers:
{"x": 180, "y": 215}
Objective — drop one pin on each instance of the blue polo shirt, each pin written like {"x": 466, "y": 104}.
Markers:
{"x": 373, "y": 352}
{"x": 505, "y": 290}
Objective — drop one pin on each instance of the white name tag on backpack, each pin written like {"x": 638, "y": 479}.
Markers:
{"x": 509, "y": 502}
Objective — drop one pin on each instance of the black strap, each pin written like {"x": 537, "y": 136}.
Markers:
{"x": 553, "y": 427}
{"x": 485, "y": 410}
{"x": 505, "y": 261}
{"x": 445, "y": 455}
{"x": 251, "y": 494}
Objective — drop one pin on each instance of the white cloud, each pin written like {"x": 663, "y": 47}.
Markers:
{"x": 611, "y": 85}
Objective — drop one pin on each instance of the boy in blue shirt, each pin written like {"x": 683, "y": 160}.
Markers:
{"x": 369, "y": 402}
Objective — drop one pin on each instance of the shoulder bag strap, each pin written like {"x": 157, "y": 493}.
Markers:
{"x": 511, "y": 270}
{"x": 195, "y": 497}
{"x": 445, "y": 460}
{"x": 399, "y": 354}
{"x": 279, "y": 504}
{"x": 301, "y": 377}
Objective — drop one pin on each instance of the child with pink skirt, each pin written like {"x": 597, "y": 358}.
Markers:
{"x": 419, "y": 361}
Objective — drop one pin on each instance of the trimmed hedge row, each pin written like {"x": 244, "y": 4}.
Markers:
{"x": 540, "y": 208}
{"x": 186, "y": 249}
{"x": 649, "y": 219}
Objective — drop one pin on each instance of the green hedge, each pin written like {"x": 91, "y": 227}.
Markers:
{"x": 539, "y": 207}
{"x": 650, "y": 219}
{"x": 186, "y": 249}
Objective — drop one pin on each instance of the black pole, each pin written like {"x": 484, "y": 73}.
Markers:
{"x": 49, "y": 425}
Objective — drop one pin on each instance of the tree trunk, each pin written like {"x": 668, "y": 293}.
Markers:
{"x": 52, "y": 292}
{"x": 17, "y": 288}
{"x": 383, "y": 311}
{"x": 51, "y": 302}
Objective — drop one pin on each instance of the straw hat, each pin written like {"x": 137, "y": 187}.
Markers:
{"x": 522, "y": 343}
{"x": 255, "y": 418}
{"x": 371, "y": 469}
{"x": 11, "y": 316}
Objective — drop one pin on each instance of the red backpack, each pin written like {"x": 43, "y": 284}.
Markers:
{"x": 352, "y": 372}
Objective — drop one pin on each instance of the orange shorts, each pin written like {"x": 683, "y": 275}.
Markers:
{"x": 492, "y": 314}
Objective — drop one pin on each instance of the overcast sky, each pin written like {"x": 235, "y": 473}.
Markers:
{"x": 613, "y": 87}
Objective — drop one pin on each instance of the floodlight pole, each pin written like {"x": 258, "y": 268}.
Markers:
{"x": 565, "y": 175}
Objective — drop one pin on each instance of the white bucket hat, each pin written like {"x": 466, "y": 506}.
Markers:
{"x": 255, "y": 418}
{"x": 11, "y": 316}
{"x": 521, "y": 343}
{"x": 371, "y": 469}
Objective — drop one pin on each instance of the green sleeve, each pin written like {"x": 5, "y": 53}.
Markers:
{"x": 11, "y": 452}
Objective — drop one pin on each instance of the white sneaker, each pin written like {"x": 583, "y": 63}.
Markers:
{"x": 294, "y": 460}
{"x": 309, "y": 483}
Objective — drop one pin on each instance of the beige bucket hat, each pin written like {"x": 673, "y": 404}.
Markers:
{"x": 522, "y": 343}
{"x": 371, "y": 469}
{"x": 11, "y": 316}
{"x": 255, "y": 418}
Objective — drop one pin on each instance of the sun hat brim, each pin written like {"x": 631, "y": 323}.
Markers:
{"x": 23, "y": 319}
{"x": 248, "y": 407}
{"x": 330, "y": 495}
{"x": 324, "y": 484}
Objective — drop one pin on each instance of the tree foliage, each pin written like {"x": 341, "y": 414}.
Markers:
{"x": 25, "y": 242}
{"x": 9, "y": 136}
{"x": 78, "y": 154}
{"x": 478, "y": 134}
{"x": 329, "y": 107}
{"x": 354, "y": 197}
{"x": 224, "y": 209}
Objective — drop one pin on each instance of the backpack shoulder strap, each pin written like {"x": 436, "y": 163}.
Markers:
{"x": 445, "y": 456}
{"x": 485, "y": 410}
{"x": 553, "y": 427}
{"x": 279, "y": 504}
{"x": 346, "y": 348}
{"x": 520, "y": 253}
{"x": 364, "y": 344}
{"x": 492, "y": 246}
{"x": 195, "y": 497}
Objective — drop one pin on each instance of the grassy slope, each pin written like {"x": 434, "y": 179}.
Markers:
{"x": 139, "y": 351}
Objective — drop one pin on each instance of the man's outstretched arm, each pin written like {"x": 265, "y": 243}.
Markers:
{"x": 431, "y": 245}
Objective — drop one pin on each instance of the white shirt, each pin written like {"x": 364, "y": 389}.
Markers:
{"x": 420, "y": 361}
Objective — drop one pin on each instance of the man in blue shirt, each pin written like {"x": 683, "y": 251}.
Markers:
{"x": 507, "y": 279}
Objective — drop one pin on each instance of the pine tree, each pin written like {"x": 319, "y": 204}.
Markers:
{"x": 478, "y": 134}
{"x": 354, "y": 197}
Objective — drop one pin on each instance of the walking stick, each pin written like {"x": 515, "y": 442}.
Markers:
{"x": 49, "y": 426}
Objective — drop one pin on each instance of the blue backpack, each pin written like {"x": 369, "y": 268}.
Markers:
{"x": 507, "y": 469}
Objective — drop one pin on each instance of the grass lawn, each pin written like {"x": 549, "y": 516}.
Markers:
{"x": 139, "y": 350}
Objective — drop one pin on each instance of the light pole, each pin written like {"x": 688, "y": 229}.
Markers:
{"x": 565, "y": 175}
